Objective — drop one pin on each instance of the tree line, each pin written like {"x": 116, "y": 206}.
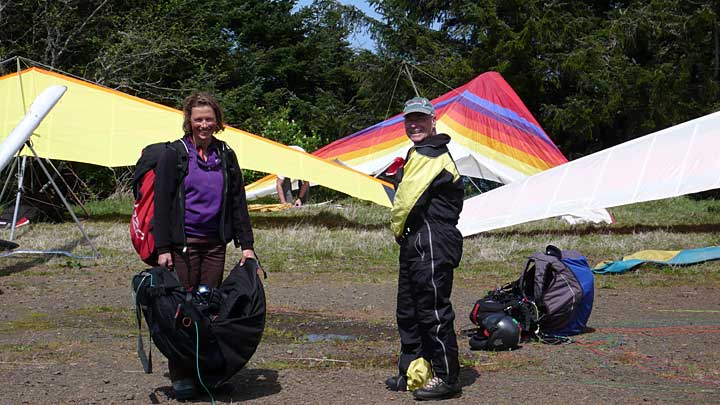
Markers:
{"x": 594, "y": 73}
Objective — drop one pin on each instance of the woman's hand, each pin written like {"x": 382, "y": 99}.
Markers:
{"x": 250, "y": 254}
{"x": 165, "y": 260}
{"x": 247, "y": 254}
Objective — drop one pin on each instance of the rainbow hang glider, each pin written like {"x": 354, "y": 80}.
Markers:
{"x": 97, "y": 125}
{"x": 494, "y": 137}
{"x": 493, "y": 134}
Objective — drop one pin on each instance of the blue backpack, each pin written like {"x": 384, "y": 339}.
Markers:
{"x": 561, "y": 285}
{"x": 578, "y": 321}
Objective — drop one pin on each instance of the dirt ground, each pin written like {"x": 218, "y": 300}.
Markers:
{"x": 67, "y": 335}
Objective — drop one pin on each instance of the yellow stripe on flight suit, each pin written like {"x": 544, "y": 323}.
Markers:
{"x": 419, "y": 173}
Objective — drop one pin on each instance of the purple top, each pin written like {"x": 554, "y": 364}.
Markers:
{"x": 203, "y": 192}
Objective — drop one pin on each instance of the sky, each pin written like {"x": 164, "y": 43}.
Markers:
{"x": 360, "y": 40}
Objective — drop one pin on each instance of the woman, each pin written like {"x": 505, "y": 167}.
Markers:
{"x": 198, "y": 215}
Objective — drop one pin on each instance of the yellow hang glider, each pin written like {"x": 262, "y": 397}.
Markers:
{"x": 97, "y": 125}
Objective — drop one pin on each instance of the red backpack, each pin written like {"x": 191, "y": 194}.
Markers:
{"x": 142, "y": 223}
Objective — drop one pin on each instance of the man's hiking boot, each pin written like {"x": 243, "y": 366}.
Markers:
{"x": 437, "y": 389}
{"x": 397, "y": 383}
{"x": 184, "y": 388}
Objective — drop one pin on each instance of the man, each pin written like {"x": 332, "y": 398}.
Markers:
{"x": 283, "y": 186}
{"x": 425, "y": 213}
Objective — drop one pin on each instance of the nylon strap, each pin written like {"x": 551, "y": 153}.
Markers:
{"x": 145, "y": 360}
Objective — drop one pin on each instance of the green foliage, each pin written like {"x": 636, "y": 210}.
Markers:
{"x": 280, "y": 128}
{"x": 72, "y": 264}
{"x": 98, "y": 182}
{"x": 63, "y": 34}
{"x": 118, "y": 205}
{"x": 593, "y": 73}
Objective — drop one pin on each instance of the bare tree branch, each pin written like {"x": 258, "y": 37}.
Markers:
{"x": 80, "y": 28}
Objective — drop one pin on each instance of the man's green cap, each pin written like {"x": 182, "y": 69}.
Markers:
{"x": 418, "y": 105}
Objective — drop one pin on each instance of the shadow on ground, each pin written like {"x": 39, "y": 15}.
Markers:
{"x": 252, "y": 384}
{"x": 325, "y": 219}
{"x": 246, "y": 385}
{"x": 468, "y": 376}
{"x": 41, "y": 257}
{"x": 608, "y": 230}
{"x": 288, "y": 327}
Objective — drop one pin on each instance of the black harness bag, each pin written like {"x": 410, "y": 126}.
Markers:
{"x": 214, "y": 331}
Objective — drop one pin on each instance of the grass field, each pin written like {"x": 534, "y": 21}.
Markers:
{"x": 354, "y": 237}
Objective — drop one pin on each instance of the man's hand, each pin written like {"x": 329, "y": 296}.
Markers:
{"x": 298, "y": 203}
{"x": 165, "y": 260}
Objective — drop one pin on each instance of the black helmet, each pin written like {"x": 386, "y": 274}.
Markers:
{"x": 498, "y": 332}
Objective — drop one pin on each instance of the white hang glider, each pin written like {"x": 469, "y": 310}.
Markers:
{"x": 675, "y": 161}
{"x": 38, "y": 110}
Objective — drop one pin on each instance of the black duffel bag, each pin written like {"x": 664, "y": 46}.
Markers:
{"x": 214, "y": 331}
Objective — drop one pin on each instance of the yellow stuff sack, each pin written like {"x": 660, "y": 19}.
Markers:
{"x": 418, "y": 374}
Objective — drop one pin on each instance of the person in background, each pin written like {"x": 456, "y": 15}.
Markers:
{"x": 425, "y": 213}
{"x": 283, "y": 186}
{"x": 198, "y": 215}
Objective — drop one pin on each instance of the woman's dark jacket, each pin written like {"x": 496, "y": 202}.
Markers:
{"x": 169, "y": 229}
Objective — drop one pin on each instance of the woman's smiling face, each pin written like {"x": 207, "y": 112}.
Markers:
{"x": 204, "y": 124}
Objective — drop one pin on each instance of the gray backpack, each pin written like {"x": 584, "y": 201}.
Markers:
{"x": 553, "y": 287}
